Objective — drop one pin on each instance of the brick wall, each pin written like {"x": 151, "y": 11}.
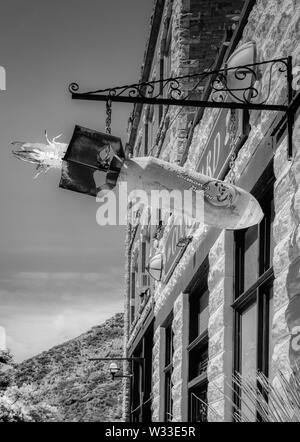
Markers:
{"x": 198, "y": 30}
{"x": 198, "y": 27}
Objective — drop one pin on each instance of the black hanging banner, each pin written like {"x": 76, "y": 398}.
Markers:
{"x": 86, "y": 164}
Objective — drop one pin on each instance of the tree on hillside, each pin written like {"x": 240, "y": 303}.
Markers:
{"x": 6, "y": 357}
{"x": 20, "y": 404}
{"x": 6, "y": 369}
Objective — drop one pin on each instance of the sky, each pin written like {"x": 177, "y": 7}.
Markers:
{"x": 60, "y": 273}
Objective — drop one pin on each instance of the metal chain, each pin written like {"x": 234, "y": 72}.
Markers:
{"x": 195, "y": 185}
{"x": 232, "y": 158}
{"x": 108, "y": 117}
{"x": 104, "y": 155}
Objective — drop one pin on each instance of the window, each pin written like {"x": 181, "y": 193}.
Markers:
{"x": 146, "y": 134}
{"x": 132, "y": 297}
{"x": 132, "y": 313}
{"x": 198, "y": 347}
{"x": 250, "y": 256}
{"x": 137, "y": 149}
{"x": 144, "y": 250}
{"x": 199, "y": 312}
{"x": 253, "y": 303}
{"x": 139, "y": 278}
{"x": 198, "y": 401}
{"x": 152, "y": 129}
{"x": 167, "y": 63}
{"x": 142, "y": 379}
{"x": 168, "y": 370}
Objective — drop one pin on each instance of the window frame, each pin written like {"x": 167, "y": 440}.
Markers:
{"x": 141, "y": 383}
{"x": 198, "y": 341}
{"x": 167, "y": 54}
{"x": 132, "y": 295}
{"x": 202, "y": 386}
{"x": 168, "y": 370}
{"x": 260, "y": 292}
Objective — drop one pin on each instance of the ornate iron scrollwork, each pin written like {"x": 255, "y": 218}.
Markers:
{"x": 248, "y": 94}
{"x": 142, "y": 90}
{"x": 247, "y": 86}
{"x": 221, "y": 83}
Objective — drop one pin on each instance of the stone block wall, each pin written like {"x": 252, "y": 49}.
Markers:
{"x": 157, "y": 375}
{"x": 275, "y": 27}
{"x": 287, "y": 250}
{"x": 198, "y": 29}
{"x": 179, "y": 375}
{"x": 220, "y": 327}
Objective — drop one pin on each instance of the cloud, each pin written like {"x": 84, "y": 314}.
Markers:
{"x": 41, "y": 309}
{"x": 36, "y": 333}
{"x": 52, "y": 259}
{"x": 53, "y": 285}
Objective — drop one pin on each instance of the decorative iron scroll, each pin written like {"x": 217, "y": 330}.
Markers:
{"x": 142, "y": 90}
{"x": 221, "y": 82}
{"x": 240, "y": 73}
{"x": 246, "y": 86}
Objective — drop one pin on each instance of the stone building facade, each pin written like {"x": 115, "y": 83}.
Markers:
{"x": 225, "y": 298}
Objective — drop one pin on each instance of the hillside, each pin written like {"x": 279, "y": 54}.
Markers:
{"x": 82, "y": 389}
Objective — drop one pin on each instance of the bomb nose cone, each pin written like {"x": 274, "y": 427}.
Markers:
{"x": 223, "y": 205}
{"x": 252, "y": 213}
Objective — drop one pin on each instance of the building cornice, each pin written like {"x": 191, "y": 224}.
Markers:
{"x": 147, "y": 64}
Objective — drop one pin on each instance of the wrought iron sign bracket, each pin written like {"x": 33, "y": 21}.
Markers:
{"x": 238, "y": 87}
{"x": 133, "y": 359}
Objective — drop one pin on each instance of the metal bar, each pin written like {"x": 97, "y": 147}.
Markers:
{"x": 292, "y": 109}
{"x": 290, "y": 125}
{"x": 117, "y": 359}
{"x": 170, "y": 102}
{"x": 123, "y": 375}
{"x": 290, "y": 112}
{"x": 142, "y": 404}
{"x": 295, "y": 103}
{"x": 73, "y": 87}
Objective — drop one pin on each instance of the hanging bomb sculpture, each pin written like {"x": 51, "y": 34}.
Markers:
{"x": 95, "y": 162}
